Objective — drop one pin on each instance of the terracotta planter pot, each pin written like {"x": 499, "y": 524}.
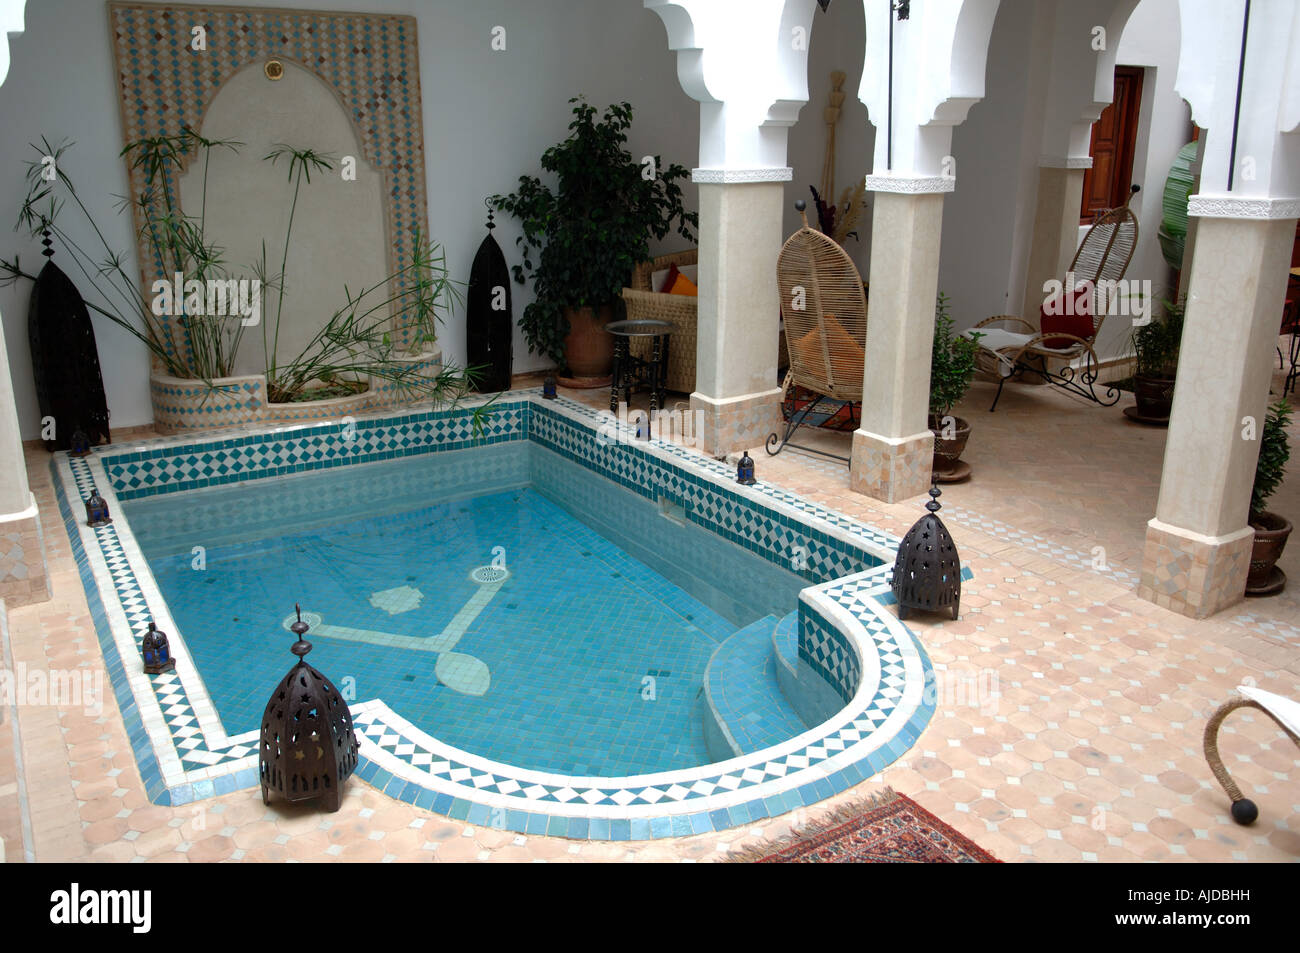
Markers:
{"x": 1271, "y": 533}
{"x": 948, "y": 452}
{"x": 1154, "y": 395}
{"x": 588, "y": 348}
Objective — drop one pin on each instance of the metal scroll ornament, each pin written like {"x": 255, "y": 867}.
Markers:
{"x": 309, "y": 749}
{"x": 927, "y": 572}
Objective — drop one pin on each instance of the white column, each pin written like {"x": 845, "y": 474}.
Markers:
{"x": 737, "y": 397}
{"x": 1056, "y": 228}
{"x": 1198, "y": 546}
{"x": 893, "y": 449}
{"x": 23, "y": 575}
{"x": 1197, "y": 551}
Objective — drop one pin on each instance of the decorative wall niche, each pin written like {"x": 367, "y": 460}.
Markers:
{"x": 346, "y": 83}
{"x": 339, "y": 231}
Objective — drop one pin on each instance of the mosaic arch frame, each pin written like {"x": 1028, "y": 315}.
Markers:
{"x": 370, "y": 62}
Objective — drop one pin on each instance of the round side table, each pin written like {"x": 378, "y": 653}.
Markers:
{"x": 630, "y": 371}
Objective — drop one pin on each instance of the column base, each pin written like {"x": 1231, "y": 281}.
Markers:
{"x": 891, "y": 469}
{"x": 24, "y": 579}
{"x": 736, "y": 423}
{"x": 1191, "y": 574}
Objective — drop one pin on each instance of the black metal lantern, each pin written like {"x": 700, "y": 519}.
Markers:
{"x": 97, "y": 510}
{"x": 548, "y": 388}
{"x": 927, "y": 572}
{"x": 157, "y": 651}
{"x": 308, "y": 746}
{"x": 79, "y": 445}
{"x": 745, "y": 470}
{"x": 642, "y": 425}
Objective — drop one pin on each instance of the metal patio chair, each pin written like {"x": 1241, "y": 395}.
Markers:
{"x": 1102, "y": 260}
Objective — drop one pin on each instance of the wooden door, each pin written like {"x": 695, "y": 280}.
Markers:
{"x": 1114, "y": 138}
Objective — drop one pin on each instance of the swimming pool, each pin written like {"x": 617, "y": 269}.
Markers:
{"x": 836, "y": 663}
{"x": 550, "y": 620}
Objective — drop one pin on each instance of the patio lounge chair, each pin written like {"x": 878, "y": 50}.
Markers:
{"x": 1284, "y": 711}
{"x": 825, "y": 315}
{"x": 1101, "y": 261}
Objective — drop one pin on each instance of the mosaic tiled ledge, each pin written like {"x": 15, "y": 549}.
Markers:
{"x": 184, "y": 753}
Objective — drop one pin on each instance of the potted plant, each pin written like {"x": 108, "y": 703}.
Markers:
{"x": 1155, "y": 348}
{"x": 1271, "y": 530}
{"x": 377, "y": 349}
{"x": 952, "y": 366}
{"x": 582, "y": 238}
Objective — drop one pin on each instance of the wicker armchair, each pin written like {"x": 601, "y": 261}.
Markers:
{"x": 1012, "y": 347}
{"x": 681, "y": 311}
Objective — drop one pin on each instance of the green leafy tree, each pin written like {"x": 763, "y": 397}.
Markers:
{"x": 1274, "y": 452}
{"x": 583, "y": 236}
{"x": 952, "y": 361}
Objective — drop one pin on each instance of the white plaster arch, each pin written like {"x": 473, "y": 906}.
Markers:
{"x": 1268, "y": 136}
{"x": 11, "y": 24}
{"x": 740, "y": 61}
{"x": 940, "y": 56}
{"x": 1083, "y": 79}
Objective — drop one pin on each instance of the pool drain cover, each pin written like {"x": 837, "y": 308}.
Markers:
{"x": 489, "y": 575}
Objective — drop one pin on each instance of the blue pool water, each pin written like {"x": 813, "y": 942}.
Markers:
{"x": 578, "y": 646}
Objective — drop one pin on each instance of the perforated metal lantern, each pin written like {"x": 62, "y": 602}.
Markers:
{"x": 927, "y": 572}
{"x": 97, "y": 510}
{"x": 156, "y": 651}
{"x": 745, "y": 470}
{"x": 79, "y": 445}
{"x": 309, "y": 749}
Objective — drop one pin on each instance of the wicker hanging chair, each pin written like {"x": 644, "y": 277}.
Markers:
{"x": 825, "y": 315}
{"x": 1102, "y": 259}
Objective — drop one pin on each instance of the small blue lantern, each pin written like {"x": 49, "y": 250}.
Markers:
{"x": 642, "y": 426}
{"x": 548, "y": 388}
{"x": 79, "y": 445}
{"x": 97, "y": 510}
{"x": 156, "y": 651}
{"x": 745, "y": 470}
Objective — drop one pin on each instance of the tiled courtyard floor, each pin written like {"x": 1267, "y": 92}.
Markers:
{"x": 1088, "y": 749}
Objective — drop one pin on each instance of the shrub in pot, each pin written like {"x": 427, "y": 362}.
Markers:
{"x": 952, "y": 366}
{"x": 582, "y": 238}
{"x": 1271, "y": 530}
{"x": 1155, "y": 348}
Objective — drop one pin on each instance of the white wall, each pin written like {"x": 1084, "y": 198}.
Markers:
{"x": 838, "y": 43}
{"x": 987, "y": 218}
{"x": 488, "y": 116}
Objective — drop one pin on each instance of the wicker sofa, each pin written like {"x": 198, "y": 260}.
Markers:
{"x": 681, "y": 311}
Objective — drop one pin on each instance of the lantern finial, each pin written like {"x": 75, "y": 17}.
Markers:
{"x": 299, "y": 628}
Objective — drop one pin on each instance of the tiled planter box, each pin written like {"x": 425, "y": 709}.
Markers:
{"x": 182, "y": 405}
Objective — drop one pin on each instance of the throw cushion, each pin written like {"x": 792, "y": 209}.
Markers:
{"x": 807, "y": 350}
{"x": 662, "y": 281}
{"x": 684, "y": 286}
{"x": 1076, "y": 319}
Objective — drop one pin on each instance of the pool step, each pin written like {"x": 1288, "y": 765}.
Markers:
{"x": 745, "y": 709}
{"x": 785, "y": 642}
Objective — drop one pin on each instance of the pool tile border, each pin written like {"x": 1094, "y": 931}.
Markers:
{"x": 184, "y": 753}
